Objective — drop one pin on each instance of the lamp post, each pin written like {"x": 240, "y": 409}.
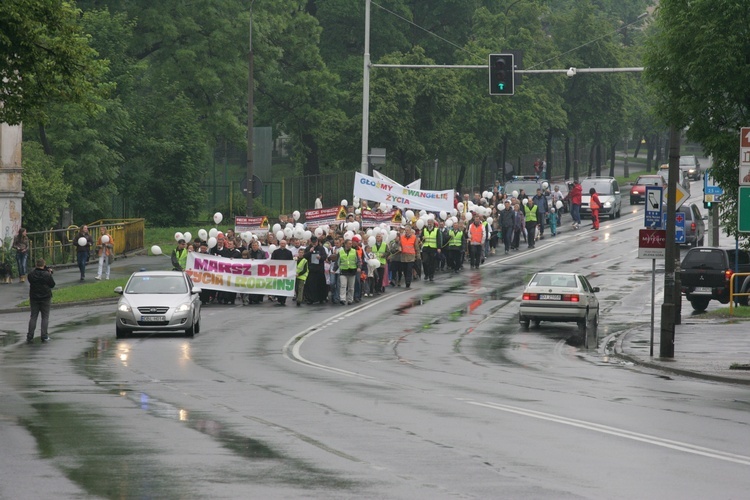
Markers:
{"x": 250, "y": 105}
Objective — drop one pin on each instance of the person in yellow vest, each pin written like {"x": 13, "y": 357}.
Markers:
{"x": 408, "y": 246}
{"x": 179, "y": 256}
{"x": 531, "y": 212}
{"x": 432, "y": 242}
{"x": 302, "y": 270}
{"x": 456, "y": 238}
{"x": 381, "y": 253}
{"x": 477, "y": 236}
{"x": 349, "y": 265}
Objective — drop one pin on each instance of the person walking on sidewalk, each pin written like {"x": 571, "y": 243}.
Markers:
{"x": 21, "y": 246}
{"x": 83, "y": 242}
{"x": 106, "y": 254}
{"x": 575, "y": 194}
{"x": 41, "y": 284}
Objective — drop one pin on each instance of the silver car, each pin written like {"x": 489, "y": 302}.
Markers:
{"x": 158, "y": 301}
{"x": 566, "y": 297}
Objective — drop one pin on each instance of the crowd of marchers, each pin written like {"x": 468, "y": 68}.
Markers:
{"x": 346, "y": 262}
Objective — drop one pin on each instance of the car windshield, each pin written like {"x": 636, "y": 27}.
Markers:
{"x": 709, "y": 259}
{"x": 554, "y": 280}
{"x": 687, "y": 162}
{"x": 601, "y": 186}
{"x": 529, "y": 187}
{"x": 156, "y": 284}
{"x": 649, "y": 181}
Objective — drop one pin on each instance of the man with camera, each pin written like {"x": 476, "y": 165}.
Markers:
{"x": 41, "y": 284}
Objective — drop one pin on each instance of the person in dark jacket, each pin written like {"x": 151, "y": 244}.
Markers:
{"x": 41, "y": 284}
{"x": 83, "y": 250}
{"x": 282, "y": 253}
{"x": 507, "y": 224}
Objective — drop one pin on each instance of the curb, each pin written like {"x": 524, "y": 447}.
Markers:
{"x": 620, "y": 353}
{"x": 94, "y": 302}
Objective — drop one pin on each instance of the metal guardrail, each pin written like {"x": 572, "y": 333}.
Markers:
{"x": 56, "y": 245}
{"x": 732, "y": 295}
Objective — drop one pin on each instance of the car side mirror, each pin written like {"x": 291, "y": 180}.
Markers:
{"x": 197, "y": 289}
{"x": 596, "y": 289}
{"x": 118, "y": 290}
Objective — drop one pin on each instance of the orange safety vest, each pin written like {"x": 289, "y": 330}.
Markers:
{"x": 476, "y": 232}
{"x": 408, "y": 244}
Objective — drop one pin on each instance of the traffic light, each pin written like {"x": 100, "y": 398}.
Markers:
{"x": 707, "y": 204}
{"x": 502, "y": 67}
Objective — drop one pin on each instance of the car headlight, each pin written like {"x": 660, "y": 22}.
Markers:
{"x": 124, "y": 308}
{"x": 692, "y": 171}
{"x": 607, "y": 204}
{"x": 634, "y": 192}
{"x": 183, "y": 307}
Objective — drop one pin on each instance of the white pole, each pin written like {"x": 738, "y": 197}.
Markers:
{"x": 365, "y": 167}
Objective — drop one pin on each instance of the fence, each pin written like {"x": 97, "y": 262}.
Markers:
{"x": 56, "y": 247}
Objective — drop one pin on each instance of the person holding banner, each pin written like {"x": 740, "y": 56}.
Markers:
{"x": 256, "y": 253}
{"x": 282, "y": 253}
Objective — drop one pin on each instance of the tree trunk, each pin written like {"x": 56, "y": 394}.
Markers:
{"x": 649, "y": 155}
{"x": 638, "y": 146}
{"x": 591, "y": 159}
{"x": 482, "y": 173}
{"x": 612, "y": 160}
{"x": 550, "y": 137}
{"x": 576, "y": 171}
{"x": 45, "y": 142}
{"x": 567, "y": 157}
{"x": 599, "y": 158}
{"x": 312, "y": 163}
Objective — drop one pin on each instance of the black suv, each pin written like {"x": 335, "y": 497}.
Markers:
{"x": 706, "y": 273}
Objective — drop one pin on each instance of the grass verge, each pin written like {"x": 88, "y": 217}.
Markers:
{"x": 84, "y": 292}
{"x": 723, "y": 313}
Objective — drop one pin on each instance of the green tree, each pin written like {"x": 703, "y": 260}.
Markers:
{"x": 45, "y": 190}
{"x": 45, "y": 58}
{"x": 697, "y": 61}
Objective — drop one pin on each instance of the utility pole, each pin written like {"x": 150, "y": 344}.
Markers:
{"x": 250, "y": 118}
{"x": 671, "y": 296}
{"x": 365, "y": 165}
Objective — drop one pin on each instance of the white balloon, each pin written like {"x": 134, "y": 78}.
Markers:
{"x": 218, "y": 218}
{"x": 467, "y": 216}
{"x": 356, "y": 225}
{"x": 454, "y": 212}
{"x": 203, "y": 234}
{"x": 449, "y": 223}
{"x": 454, "y": 219}
{"x": 545, "y": 185}
{"x": 211, "y": 242}
{"x": 392, "y": 235}
{"x": 376, "y": 231}
{"x": 374, "y": 263}
{"x": 514, "y": 193}
{"x": 369, "y": 232}
{"x": 188, "y": 237}
{"x": 254, "y": 237}
{"x": 307, "y": 235}
{"x": 296, "y": 214}
{"x": 344, "y": 203}
{"x": 422, "y": 213}
{"x": 299, "y": 233}
{"x": 420, "y": 223}
{"x": 525, "y": 201}
{"x": 289, "y": 225}
{"x": 82, "y": 241}
{"x": 276, "y": 228}
{"x": 178, "y": 236}
{"x": 271, "y": 248}
{"x": 319, "y": 232}
{"x": 460, "y": 207}
{"x": 559, "y": 204}
{"x": 156, "y": 250}
{"x": 358, "y": 211}
{"x": 248, "y": 237}
{"x": 213, "y": 232}
{"x": 443, "y": 214}
{"x": 289, "y": 232}
{"x": 409, "y": 214}
{"x": 348, "y": 235}
{"x": 279, "y": 235}
{"x": 105, "y": 239}
{"x": 489, "y": 220}
{"x": 371, "y": 241}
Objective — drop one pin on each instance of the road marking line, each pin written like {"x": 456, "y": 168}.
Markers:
{"x": 635, "y": 436}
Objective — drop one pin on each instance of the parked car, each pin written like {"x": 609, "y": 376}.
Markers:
{"x": 158, "y": 301}
{"x": 638, "y": 189}
{"x": 565, "y": 297}
{"x": 705, "y": 274}
{"x": 609, "y": 195}
{"x": 691, "y": 166}
{"x": 529, "y": 184}
{"x": 695, "y": 228}
{"x": 682, "y": 179}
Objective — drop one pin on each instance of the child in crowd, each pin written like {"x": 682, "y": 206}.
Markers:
{"x": 552, "y": 221}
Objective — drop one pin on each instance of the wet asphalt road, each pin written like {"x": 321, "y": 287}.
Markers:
{"x": 434, "y": 392}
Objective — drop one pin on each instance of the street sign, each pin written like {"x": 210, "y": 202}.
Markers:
{"x": 652, "y": 243}
{"x": 745, "y": 156}
{"x": 654, "y": 206}
{"x": 713, "y": 190}
{"x": 743, "y": 209}
{"x": 708, "y": 184}
{"x": 682, "y": 195}
{"x": 679, "y": 227}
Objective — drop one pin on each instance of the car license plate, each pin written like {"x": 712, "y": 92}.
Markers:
{"x": 153, "y": 319}
{"x": 546, "y": 296}
{"x": 702, "y": 290}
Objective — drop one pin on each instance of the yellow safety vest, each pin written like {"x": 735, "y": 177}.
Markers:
{"x": 457, "y": 238}
{"x": 530, "y": 213}
{"x": 430, "y": 238}
{"x": 302, "y": 269}
{"x": 380, "y": 251}
{"x": 347, "y": 262}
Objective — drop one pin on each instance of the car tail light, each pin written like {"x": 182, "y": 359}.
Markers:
{"x": 728, "y": 275}
{"x": 692, "y": 226}
{"x": 530, "y": 296}
{"x": 571, "y": 297}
